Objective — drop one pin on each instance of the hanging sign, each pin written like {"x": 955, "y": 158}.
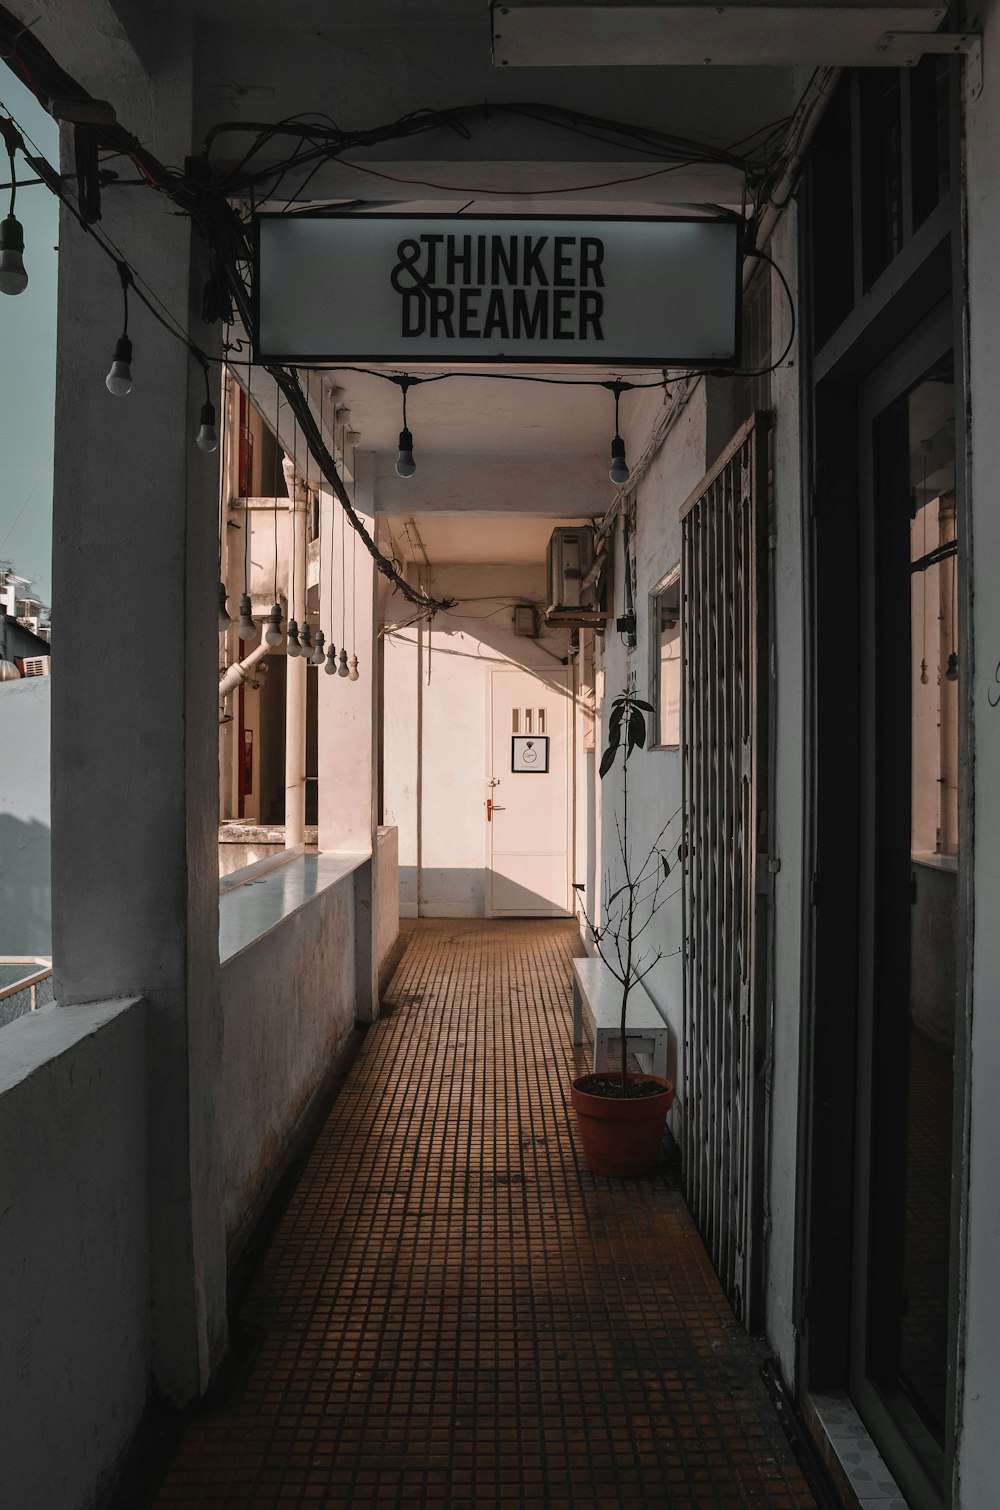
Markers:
{"x": 448, "y": 288}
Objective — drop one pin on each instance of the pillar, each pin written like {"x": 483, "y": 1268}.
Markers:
{"x": 135, "y": 715}
{"x": 296, "y": 667}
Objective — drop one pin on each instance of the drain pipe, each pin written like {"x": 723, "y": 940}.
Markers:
{"x": 240, "y": 670}
{"x": 802, "y": 129}
{"x": 297, "y": 666}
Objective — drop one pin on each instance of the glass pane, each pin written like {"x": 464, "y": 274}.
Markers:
{"x": 668, "y": 688}
{"x": 917, "y": 664}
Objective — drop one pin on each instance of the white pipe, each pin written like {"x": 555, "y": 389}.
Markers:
{"x": 296, "y": 669}
{"x": 240, "y": 670}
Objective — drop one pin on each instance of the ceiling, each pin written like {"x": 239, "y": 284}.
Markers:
{"x": 453, "y": 539}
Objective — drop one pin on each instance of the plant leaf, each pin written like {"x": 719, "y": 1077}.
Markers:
{"x": 613, "y": 895}
{"x": 646, "y": 707}
{"x": 636, "y": 730}
{"x": 608, "y": 759}
{"x": 666, "y": 865}
{"x": 579, "y": 886}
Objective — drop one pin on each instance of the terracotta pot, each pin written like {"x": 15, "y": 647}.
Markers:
{"x": 622, "y": 1138}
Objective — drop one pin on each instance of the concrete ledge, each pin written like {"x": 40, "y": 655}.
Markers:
{"x": 250, "y": 911}
{"x": 75, "y": 1318}
{"x": 31, "y": 1043}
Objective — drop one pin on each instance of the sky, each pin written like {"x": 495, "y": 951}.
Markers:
{"x": 28, "y": 357}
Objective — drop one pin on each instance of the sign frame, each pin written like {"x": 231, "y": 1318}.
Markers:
{"x": 409, "y": 360}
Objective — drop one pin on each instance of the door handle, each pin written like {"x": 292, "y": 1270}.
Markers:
{"x": 489, "y": 809}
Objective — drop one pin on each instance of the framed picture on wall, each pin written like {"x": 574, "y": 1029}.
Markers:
{"x": 529, "y": 753}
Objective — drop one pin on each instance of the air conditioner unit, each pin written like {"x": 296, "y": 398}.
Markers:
{"x": 574, "y": 578}
{"x": 37, "y": 665}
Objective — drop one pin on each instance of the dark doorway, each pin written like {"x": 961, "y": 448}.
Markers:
{"x": 910, "y": 666}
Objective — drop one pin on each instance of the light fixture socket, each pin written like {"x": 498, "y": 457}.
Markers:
{"x": 293, "y": 646}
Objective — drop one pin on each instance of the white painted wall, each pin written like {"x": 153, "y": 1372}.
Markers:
{"x": 654, "y": 775}
{"x": 978, "y": 1470}
{"x": 75, "y": 1317}
{"x": 288, "y": 1005}
{"x": 437, "y": 698}
{"x": 386, "y": 894}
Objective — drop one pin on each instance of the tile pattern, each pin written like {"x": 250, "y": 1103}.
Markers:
{"x": 453, "y": 1311}
{"x": 852, "y": 1456}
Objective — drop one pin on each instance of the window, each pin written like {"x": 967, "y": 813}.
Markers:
{"x": 665, "y": 661}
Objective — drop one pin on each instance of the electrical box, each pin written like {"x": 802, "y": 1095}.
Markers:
{"x": 574, "y": 572}
{"x": 526, "y": 620}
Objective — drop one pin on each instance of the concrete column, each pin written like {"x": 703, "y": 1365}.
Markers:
{"x": 135, "y": 752}
{"x": 296, "y": 670}
{"x": 347, "y": 710}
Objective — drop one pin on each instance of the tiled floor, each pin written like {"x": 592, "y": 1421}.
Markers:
{"x": 454, "y": 1312}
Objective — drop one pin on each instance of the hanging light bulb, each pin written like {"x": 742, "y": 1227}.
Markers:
{"x": 272, "y": 634}
{"x": 207, "y": 438}
{"x": 293, "y": 647}
{"x": 119, "y": 379}
{"x": 951, "y": 673}
{"x": 319, "y": 655}
{"x": 352, "y": 675}
{"x": 331, "y": 660}
{"x": 405, "y": 465}
{"x": 224, "y": 616}
{"x": 305, "y": 640}
{"x": 923, "y": 673}
{"x": 342, "y": 667}
{"x": 13, "y": 278}
{"x": 619, "y": 468}
{"x": 246, "y": 629}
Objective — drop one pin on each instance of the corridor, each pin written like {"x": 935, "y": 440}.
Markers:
{"x": 453, "y": 1312}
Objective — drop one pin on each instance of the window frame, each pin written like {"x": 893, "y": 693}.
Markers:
{"x": 670, "y": 579}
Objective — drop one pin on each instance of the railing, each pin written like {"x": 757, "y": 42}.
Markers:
{"x": 30, "y": 986}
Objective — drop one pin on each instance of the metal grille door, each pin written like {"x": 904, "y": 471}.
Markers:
{"x": 725, "y": 723}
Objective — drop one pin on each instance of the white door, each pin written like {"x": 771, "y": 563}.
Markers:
{"x": 528, "y": 794}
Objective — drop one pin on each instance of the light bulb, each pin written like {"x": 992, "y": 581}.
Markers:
{"x": 119, "y": 379}
{"x": 246, "y": 629}
{"x": 619, "y": 469}
{"x": 405, "y": 465}
{"x": 923, "y": 673}
{"x": 13, "y": 278}
{"x": 352, "y": 675}
{"x": 207, "y": 438}
{"x": 342, "y": 667}
{"x": 293, "y": 647}
{"x": 951, "y": 674}
{"x": 306, "y": 641}
{"x": 272, "y": 634}
{"x": 319, "y": 655}
{"x": 224, "y": 617}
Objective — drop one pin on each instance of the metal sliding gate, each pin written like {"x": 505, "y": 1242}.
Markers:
{"x": 725, "y": 642}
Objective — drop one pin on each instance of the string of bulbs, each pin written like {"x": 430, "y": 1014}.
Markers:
{"x": 204, "y": 196}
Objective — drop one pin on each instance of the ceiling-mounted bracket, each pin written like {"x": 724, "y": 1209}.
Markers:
{"x": 904, "y": 49}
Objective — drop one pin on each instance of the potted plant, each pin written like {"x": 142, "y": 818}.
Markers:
{"x": 621, "y": 1115}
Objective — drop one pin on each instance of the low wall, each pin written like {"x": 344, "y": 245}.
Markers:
{"x": 386, "y": 896}
{"x": 288, "y": 1006}
{"x": 74, "y": 1250}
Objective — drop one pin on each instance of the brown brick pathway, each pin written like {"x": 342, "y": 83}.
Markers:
{"x": 454, "y": 1312}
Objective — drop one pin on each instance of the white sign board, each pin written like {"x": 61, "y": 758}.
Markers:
{"x": 448, "y": 288}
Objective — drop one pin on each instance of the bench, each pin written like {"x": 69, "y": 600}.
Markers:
{"x": 595, "y": 988}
